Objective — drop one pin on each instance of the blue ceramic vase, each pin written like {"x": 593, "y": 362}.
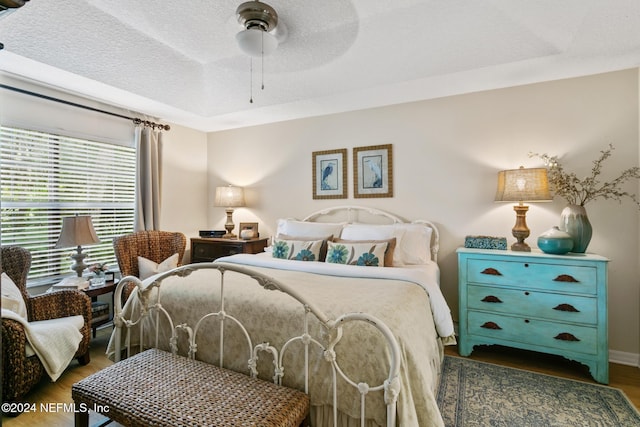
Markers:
{"x": 574, "y": 221}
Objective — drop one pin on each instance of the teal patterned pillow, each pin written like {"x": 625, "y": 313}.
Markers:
{"x": 365, "y": 254}
{"x": 299, "y": 250}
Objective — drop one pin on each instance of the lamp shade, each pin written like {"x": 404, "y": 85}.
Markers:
{"x": 256, "y": 42}
{"x": 523, "y": 185}
{"x": 229, "y": 196}
{"x": 77, "y": 231}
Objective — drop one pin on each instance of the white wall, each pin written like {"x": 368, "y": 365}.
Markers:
{"x": 446, "y": 154}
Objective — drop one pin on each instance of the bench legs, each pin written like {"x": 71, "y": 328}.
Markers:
{"x": 82, "y": 419}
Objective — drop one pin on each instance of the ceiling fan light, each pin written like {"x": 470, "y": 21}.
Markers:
{"x": 256, "y": 42}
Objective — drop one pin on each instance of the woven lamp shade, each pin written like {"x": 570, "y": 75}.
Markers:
{"x": 523, "y": 185}
{"x": 229, "y": 197}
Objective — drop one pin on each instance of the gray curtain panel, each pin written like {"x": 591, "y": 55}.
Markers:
{"x": 149, "y": 179}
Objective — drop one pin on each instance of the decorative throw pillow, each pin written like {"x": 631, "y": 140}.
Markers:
{"x": 365, "y": 254}
{"x": 323, "y": 248}
{"x": 12, "y": 297}
{"x": 148, "y": 268}
{"x": 388, "y": 253}
{"x": 299, "y": 250}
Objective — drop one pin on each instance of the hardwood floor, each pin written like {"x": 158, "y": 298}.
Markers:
{"x": 623, "y": 377}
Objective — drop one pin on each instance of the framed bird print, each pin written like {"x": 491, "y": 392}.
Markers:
{"x": 329, "y": 174}
{"x": 372, "y": 171}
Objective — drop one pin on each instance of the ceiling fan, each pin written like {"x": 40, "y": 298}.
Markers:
{"x": 262, "y": 32}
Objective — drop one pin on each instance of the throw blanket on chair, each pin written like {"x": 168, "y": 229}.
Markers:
{"x": 54, "y": 341}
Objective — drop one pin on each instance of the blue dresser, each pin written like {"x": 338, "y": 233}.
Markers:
{"x": 531, "y": 300}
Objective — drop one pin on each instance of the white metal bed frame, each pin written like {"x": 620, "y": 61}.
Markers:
{"x": 153, "y": 306}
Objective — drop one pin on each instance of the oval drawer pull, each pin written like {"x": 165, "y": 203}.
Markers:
{"x": 566, "y": 336}
{"x": 491, "y": 271}
{"x": 490, "y": 325}
{"x": 566, "y": 307}
{"x": 566, "y": 278}
{"x": 491, "y": 298}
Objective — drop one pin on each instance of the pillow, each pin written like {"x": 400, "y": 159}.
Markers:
{"x": 323, "y": 248}
{"x": 313, "y": 230}
{"x": 148, "y": 268}
{"x": 413, "y": 244}
{"x": 365, "y": 254}
{"x": 299, "y": 250}
{"x": 12, "y": 297}
{"x": 388, "y": 253}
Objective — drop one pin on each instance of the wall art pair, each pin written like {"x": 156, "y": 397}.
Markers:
{"x": 372, "y": 172}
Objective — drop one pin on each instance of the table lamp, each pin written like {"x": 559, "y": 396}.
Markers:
{"x": 77, "y": 231}
{"x": 522, "y": 185}
{"x": 230, "y": 197}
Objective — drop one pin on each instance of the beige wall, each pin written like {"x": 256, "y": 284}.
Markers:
{"x": 446, "y": 154}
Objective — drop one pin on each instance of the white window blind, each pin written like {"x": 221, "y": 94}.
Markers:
{"x": 45, "y": 177}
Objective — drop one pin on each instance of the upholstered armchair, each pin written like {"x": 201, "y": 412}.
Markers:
{"x": 19, "y": 372}
{"x": 154, "y": 245}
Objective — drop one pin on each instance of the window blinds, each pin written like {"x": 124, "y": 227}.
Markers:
{"x": 45, "y": 177}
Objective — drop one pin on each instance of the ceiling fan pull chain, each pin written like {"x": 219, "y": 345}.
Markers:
{"x": 250, "y": 80}
{"x": 262, "y": 59}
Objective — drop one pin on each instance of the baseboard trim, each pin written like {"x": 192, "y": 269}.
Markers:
{"x": 624, "y": 358}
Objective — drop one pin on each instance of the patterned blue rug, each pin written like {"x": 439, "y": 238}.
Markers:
{"x": 474, "y": 393}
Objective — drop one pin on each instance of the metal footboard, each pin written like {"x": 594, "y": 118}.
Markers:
{"x": 149, "y": 299}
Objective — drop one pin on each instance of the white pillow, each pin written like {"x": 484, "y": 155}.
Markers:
{"x": 313, "y": 230}
{"x": 148, "y": 268}
{"x": 413, "y": 241}
{"x": 365, "y": 254}
{"x": 12, "y": 297}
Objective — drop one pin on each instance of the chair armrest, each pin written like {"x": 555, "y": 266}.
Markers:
{"x": 59, "y": 304}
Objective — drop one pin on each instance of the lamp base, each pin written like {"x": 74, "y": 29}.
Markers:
{"x": 520, "y": 231}
{"x": 79, "y": 264}
{"x": 229, "y": 226}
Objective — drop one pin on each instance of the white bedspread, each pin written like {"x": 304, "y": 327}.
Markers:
{"x": 427, "y": 276}
{"x": 398, "y": 300}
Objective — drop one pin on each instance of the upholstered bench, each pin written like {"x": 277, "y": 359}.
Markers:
{"x": 157, "y": 388}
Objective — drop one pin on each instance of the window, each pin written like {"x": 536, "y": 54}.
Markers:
{"x": 45, "y": 177}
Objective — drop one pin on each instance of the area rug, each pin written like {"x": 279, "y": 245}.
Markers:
{"x": 475, "y": 393}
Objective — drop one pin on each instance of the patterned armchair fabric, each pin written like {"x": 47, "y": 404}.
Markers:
{"x": 20, "y": 373}
{"x": 154, "y": 245}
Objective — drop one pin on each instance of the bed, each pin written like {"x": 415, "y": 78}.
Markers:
{"x": 389, "y": 270}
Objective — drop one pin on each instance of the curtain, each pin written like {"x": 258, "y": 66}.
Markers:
{"x": 148, "y": 178}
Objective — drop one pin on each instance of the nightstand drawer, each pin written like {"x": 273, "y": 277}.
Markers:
{"x": 210, "y": 249}
{"x": 523, "y": 302}
{"x": 533, "y": 275}
{"x": 201, "y": 250}
{"x": 567, "y": 337}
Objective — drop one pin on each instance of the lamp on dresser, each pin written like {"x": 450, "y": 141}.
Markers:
{"x": 77, "y": 231}
{"x": 229, "y": 197}
{"x": 522, "y": 185}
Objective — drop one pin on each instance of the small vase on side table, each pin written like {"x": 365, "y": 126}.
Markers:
{"x": 574, "y": 220}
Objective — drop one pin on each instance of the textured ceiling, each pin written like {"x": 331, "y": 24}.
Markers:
{"x": 178, "y": 61}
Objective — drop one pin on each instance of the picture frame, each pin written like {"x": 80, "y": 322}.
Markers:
{"x": 329, "y": 174}
{"x": 248, "y": 230}
{"x": 373, "y": 171}
{"x": 109, "y": 276}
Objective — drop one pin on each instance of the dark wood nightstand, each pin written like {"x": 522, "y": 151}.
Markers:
{"x": 207, "y": 249}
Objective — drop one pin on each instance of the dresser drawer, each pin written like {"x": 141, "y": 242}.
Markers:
{"x": 533, "y": 275}
{"x": 566, "y": 337}
{"x": 541, "y": 305}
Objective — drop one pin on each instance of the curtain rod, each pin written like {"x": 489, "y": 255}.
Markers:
{"x": 135, "y": 120}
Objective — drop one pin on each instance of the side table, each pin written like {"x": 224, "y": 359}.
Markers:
{"x": 100, "y": 311}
